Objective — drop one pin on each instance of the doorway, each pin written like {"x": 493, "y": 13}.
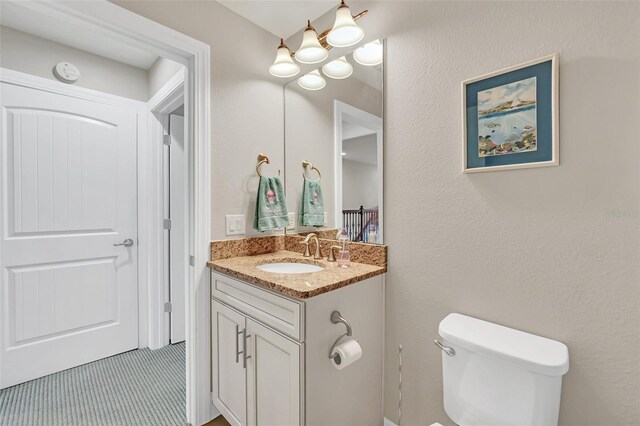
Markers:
{"x": 73, "y": 314}
{"x": 167, "y": 128}
{"x": 114, "y": 23}
{"x": 359, "y": 173}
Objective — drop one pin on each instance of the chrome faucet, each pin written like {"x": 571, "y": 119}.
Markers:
{"x": 307, "y": 253}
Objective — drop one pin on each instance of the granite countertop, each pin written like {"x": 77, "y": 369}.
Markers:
{"x": 302, "y": 286}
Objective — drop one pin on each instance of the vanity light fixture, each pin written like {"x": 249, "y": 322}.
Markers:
{"x": 284, "y": 66}
{"x": 370, "y": 54}
{"x": 338, "y": 69}
{"x": 312, "y": 81}
{"x": 345, "y": 31}
{"x": 311, "y": 51}
{"x": 314, "y": 47}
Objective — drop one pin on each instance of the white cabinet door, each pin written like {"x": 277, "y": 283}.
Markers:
{"x": 273, "y": 378}
{"x": 68, "y": 194}
{"x": 229, "y": 377}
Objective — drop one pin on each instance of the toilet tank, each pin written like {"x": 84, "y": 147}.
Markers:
{"x": 500, "y": 376}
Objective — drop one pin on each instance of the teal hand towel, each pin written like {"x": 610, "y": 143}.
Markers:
{"x": 271, "y": 206}
{"x": 312, "y": 205}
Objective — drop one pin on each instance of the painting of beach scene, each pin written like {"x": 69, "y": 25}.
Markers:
{"x": 507, "y": 119}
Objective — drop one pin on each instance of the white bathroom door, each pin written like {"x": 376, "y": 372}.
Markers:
{"x": 178, "y": 204}
{"x": 68, "y": 191}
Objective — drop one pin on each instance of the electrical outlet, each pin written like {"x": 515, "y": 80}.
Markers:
{"x": 234, "y": 224}
{"x": 292, "y": 221}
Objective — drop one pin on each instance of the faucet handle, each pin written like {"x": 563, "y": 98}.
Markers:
{"x": 332, "y": 253}
{"x": 307, "y": 253}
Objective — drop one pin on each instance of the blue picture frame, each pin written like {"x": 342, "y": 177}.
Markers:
{"x": 510, "y": 117}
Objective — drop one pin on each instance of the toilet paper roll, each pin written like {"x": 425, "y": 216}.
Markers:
{"x": 345, "y": 354}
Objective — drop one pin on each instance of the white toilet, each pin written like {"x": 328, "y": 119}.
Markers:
{"x": 495, "y": 375}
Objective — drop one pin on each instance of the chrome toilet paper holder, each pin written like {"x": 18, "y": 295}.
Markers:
{"x": 337, "y": 318}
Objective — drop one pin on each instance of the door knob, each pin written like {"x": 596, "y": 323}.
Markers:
{"x": 127, "y": 243}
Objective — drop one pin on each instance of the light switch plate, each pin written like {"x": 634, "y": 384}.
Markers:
{"x": 234, "y": 224}
{"x": 292, "y": 221}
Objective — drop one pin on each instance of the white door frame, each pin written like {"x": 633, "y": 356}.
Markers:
{"x": 165, "y": 101}
{"x": 343, "y": 111}
{"x": 114, "y": 22}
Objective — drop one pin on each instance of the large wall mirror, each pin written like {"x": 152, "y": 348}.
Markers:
{"x": 334, "y": 141}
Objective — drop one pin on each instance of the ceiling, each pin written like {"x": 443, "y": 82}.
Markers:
{"x": 352, "y": 130}
{"x": 16, "y": 17}
{"x": 281, "y": 18}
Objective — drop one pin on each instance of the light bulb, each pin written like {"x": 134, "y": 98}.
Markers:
{"x": 370, "y": 54}
{"x": 311, "y": 51}
{"x": 345, "y": 31}
{"x": 284, "y": 66}
{"x": 338, "y": 69}
{"x": 312, "y": 81}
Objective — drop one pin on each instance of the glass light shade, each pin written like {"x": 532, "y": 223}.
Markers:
{"x": 284, "y": 66}
{"x": 311, "y": 51}
{"x": 370, "y": 54}
{"x": 338, "y": 69}
{"x": 312, "y": 81}
{"x": 345, "y": 31}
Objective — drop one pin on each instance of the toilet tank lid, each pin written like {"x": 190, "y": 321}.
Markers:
{"x": 528, "y": 351}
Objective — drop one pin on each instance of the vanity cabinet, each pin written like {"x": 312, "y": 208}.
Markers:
{"x": 257, "y": 376}
{"x": 270, "y": 355}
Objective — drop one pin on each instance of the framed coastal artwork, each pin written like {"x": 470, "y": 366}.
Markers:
{"x": 510, "y": 117}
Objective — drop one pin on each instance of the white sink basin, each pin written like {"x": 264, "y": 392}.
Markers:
{"x": 289, "y": 268}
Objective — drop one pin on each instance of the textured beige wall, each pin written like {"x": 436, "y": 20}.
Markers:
{"x": 531, "y": 249}
{"x": 36, "y": 56}
{"x": 246, "y": 103}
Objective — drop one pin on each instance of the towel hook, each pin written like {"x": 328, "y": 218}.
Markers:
{"x": 337, "y": 318}
{"x": 262, "y": 158}
{"x": 305, "y": 165}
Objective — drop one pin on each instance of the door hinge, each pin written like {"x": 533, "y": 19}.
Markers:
{"x": 192, "y": 260}
{"x": 166, "y": 139}
{"x": 167, "y": 307}
{"x": 166, "y": 224}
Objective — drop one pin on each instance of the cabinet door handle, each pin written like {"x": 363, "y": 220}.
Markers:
{"x": 238, "y": 352}
{"x": 244, "y": 349}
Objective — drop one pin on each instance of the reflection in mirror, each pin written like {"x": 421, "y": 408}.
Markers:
{"x": 358, "y": 172}
{"x": 337, "y": 132}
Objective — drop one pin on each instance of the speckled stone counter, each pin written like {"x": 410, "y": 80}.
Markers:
{"x": 302, "y": 286}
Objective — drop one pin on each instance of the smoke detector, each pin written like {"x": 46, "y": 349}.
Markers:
{"x": 66, "y": 72}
